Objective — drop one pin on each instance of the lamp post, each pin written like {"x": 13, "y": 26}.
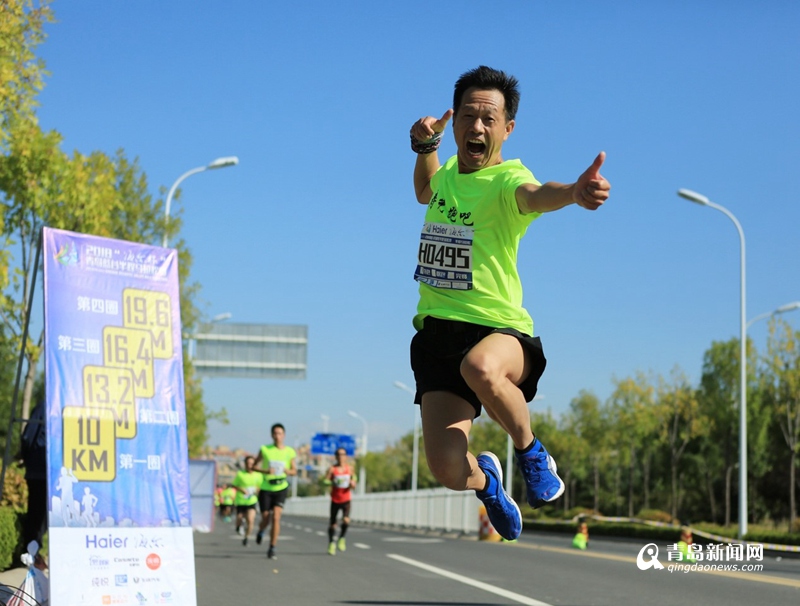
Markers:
{"x": 362, "y": 480}
{"x": 218, "y": 163}
{"x": 704, "y": 201}
{"x": 781, "y": 310}
{"x": 415, "y": 449}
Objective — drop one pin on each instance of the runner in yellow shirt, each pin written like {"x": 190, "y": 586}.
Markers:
{"x": 226, "y": 499}
{"x": 247, "y": 484}
{"x": 276, "y": 462}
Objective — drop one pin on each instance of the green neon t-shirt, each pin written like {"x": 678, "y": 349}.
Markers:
{"x": 228, "y": 496}
{"x": 250, "y": 482}
{"x": 467, "y": 259}
{"x": 277, "y": 460}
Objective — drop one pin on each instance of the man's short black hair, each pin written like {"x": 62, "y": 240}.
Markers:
{"x": 486, "y": 78}
{"x": 276, "y": 426}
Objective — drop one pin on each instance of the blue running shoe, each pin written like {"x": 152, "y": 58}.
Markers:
{"x": 503, "y": 512}
{"x": 539, "y": 471}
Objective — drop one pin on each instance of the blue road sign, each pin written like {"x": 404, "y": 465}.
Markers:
{"x": 328, "y": 443}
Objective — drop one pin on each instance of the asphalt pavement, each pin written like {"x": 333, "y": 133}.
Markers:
{"x": 388, "y": 567}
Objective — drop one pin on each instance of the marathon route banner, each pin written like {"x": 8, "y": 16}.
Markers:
{"x": 119, "y": 504}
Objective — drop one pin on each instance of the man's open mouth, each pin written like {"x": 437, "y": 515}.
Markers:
{"x": 475, "y": 148}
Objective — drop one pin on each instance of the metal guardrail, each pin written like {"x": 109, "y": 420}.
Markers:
{"x": 441, "y": 509}
{"x": 437, "y": 509}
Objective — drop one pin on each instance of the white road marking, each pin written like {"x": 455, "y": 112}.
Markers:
{"x": 412, "y": 540}
{"x": 361, "y": 546}
{"x": 467, "y": 581}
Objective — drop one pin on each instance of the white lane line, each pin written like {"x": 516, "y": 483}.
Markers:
{"x": 467, "y": 581}
{"x": 420, "y": 540}
{"x": 362, "y": 546}
{"x": 321, "y": 533}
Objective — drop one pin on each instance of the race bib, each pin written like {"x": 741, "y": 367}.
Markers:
{"x": 342, "y": 481}
{"x": 445, "y": 256}
{"x": 277, "y": 468}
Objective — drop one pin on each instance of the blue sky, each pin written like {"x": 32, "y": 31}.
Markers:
{"x": 318, "y": 224}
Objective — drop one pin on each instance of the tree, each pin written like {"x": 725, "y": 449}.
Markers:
{"x": 783, "y": 362}
{"x": 21, "y": 71}
{"x": 680, "y": 421}
{"x": 26, "y": 151}
{"x": 591, "y": 425}
{"x": 40, "y": 185}
{"x": 717, "y": 396}
{"x": 631, "y": 408}
{"x": 571, "y": 454}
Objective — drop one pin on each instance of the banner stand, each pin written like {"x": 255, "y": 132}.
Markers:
{"x": 118, "y": 489}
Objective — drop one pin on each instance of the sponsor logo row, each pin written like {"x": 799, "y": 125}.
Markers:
{"x": 152, "y": 561}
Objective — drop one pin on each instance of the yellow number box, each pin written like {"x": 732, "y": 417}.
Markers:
{"x": 131, "y": 348}
{"x": 107, "y": 387}
{"x": 150, "y": 310}
{"x": 90, "y": 447}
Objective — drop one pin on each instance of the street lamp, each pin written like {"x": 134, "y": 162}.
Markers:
{"x": 415, "y": 450}
{"x": 362, "y": 480}
{"x": 704, "y": 201}
{"x": 781, "y": 310}
{"x": 218, "y": 163}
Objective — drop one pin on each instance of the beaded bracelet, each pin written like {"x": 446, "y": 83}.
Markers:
{"x": 426, "y": 147}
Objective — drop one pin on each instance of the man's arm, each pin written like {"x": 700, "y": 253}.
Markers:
{"x": 259, "y": 458}
{"x": 427, "y": 164}
{"x": 589, "y": 191}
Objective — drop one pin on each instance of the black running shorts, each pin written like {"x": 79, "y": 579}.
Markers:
{"x": 267, "y": 500}
{"x": 336, "y": 508}
{"x": 438, "y": 349}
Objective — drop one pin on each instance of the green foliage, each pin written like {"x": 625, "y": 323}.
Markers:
{"x": 15, "y": 490}
{"x": 772, "y": 536}
{"x": 40, "y": 185}
{"x": 8, "y": 364}
{"x": 578, "y": 512}
{"x": 10, "y": 533}
{"x": 656, "y": 515}
{"x": 21, "y": 71}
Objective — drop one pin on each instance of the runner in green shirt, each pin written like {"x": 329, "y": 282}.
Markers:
{"x": 474, "y": 348}
{"x": 227, "y": 497}
{"x": 276, "y": 462}
{"x": 247, "y": 484}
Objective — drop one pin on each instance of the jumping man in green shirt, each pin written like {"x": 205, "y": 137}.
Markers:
{"x": 474, "y": 348}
